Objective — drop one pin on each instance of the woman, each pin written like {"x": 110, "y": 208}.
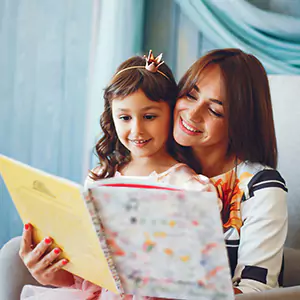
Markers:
{"x": 224, "y": 113}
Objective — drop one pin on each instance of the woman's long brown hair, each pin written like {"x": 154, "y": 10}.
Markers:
{"x": 110, "y": 151}
{"x": 247, "y": 105}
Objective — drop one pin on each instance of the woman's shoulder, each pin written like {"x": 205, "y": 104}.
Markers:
{"x": 247, "y": 176}
{"x": 258, "y": 172}
{"x": 261, "y": 177}
{"x": 251, "y": 170}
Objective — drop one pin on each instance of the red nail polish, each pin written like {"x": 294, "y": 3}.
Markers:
{"x": 56, "y": 251}
{"x": 48, "y": 240}
{"x": 64, "y": 262}
{"x": 26, "y": 226}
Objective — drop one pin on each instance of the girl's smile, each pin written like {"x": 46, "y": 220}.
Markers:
{"x": 140, "y": 143}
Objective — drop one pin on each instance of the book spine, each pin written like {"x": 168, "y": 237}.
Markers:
{"x": 102, "y": 238}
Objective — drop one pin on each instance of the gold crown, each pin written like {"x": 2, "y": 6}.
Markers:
{"x": 152, "y": 65}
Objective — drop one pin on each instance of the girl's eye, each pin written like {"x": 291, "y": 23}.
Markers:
{"x": 190, "y": 96}
{"x": 125, "y": 118}
{"x": 218, "y": 115}
{"x": 150, "y": 117}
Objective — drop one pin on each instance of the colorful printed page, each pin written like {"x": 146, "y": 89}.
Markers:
{"x": 55, "y": 207}
{"x": 165, "y": 242}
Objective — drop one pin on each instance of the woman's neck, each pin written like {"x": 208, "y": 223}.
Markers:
{"x": 215, "y": 163}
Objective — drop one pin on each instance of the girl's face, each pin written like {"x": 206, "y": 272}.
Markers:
{"x": 199, "y": 119}
{"x": 142, "y": 125}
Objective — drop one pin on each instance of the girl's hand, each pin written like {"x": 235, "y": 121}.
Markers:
{"x": 41, "y": 263}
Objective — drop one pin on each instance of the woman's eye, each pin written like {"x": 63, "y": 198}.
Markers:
{"x": 216, "y": 113}
{"x": 190, "y": 96}
{"x": 125, "y": 118}
{"x": 150, "y": 117}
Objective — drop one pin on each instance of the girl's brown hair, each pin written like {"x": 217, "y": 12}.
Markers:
{"x": 110, "y": 151}
{"x": 247, "y": 104}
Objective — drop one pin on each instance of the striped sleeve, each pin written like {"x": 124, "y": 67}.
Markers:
{"x": 264, "y": 230}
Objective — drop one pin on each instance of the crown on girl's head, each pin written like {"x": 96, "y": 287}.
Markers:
{"x": 152, "y": 63}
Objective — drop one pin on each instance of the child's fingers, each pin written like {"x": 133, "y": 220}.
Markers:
{"x": 57, "y": 266}
{"x": 41, "y": 248}
{"x": 26, "y": 242}
{"x": 48, "y": 260}
{"x": 35, "y": 255}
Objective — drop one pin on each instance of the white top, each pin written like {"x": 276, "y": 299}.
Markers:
{"x": 254, "y": 219}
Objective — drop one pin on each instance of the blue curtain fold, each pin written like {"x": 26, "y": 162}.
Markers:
{"x": 118, "y": 36}
{"x": 55, "y": 59}
{"x": 274, "y": 38}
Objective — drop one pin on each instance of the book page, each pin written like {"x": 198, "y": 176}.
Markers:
{"x": 165, "y": 242}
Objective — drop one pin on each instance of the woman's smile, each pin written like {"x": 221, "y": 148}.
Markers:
{"x": 187, "y": 128}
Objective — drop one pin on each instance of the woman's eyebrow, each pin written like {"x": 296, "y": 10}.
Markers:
{"x": 196, "y": 88}
{"x": 216, "y": 101}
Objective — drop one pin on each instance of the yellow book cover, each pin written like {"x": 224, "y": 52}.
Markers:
{"x": 56, "y": 208}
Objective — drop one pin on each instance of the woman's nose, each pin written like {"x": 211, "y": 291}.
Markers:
{"x": 195, "y": 114}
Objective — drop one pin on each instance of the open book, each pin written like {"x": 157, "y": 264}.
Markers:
{"x": 128, "y": 236}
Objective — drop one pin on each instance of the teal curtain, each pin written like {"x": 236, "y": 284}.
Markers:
{"x": 56, "y": 56}
{"x": 273, "y": 37}
{"x": 118, "y": 36}
{"x": 44, "y": 64}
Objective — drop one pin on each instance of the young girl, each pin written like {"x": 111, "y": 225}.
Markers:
{"x": 137, "y": 141}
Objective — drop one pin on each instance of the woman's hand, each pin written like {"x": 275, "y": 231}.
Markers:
{"x": 42, "y": 263}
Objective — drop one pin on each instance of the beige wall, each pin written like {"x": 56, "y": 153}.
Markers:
{"x": 285, "y": 93}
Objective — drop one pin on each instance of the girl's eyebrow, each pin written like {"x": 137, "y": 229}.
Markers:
{"x": 143, "y": 109}
{"x": 151, "y": 107}
{"x": 196, "y": 88}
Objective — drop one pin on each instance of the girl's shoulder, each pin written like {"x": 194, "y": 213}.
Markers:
{"x": 183, "y": 176}
{"x": 89, "y": 178}
{"x": 178, "y": 170}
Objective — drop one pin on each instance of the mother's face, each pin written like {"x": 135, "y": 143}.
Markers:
{"x": 199, "y": 119}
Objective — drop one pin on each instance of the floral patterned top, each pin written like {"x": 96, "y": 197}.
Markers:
{"x": 254, "y": 217}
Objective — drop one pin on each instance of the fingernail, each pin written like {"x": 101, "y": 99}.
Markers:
{"x": 64, "y": 262}
{"x": 27, "y": 226}
{"x": 56, "y": 251}
{"x": 48, "y": 240}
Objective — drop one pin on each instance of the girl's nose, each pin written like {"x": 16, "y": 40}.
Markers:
{"x": 137, "y": 127}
